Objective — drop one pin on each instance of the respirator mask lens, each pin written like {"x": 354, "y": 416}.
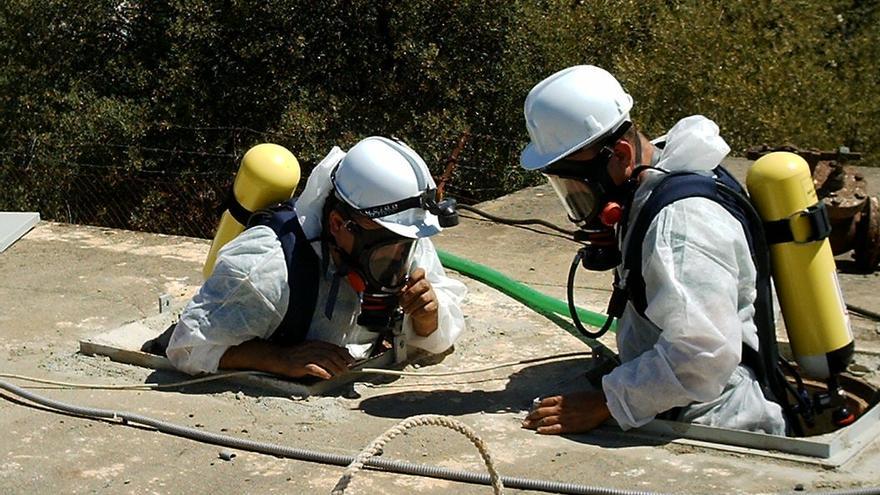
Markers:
{"x": 387, "y": 264}
{"x": 383, "y": 260}
{"x": 381, "y": 256}
{"x": 584, "y": 186}
{"x": 580, "y": 198}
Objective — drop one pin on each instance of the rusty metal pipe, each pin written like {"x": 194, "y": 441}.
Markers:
{"x": 855, "y": 217}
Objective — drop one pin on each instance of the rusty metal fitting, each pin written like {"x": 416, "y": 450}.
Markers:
{"x": 854, "y": 216}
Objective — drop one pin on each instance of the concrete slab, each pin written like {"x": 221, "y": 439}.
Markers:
{"x": 13, "y": 225}
{"x": 67, "y": 283}
{"x": 127, "y": 343}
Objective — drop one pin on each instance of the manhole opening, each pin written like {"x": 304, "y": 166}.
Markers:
{"x": 860, "y": 397}
{"x": 824, "y": 443}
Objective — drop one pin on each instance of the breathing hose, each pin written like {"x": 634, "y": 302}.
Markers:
{"x": 572, "y": 271}
{"x": 867, "y": 313}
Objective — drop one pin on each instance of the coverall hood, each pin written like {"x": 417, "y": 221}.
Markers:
{"x": 693, "y": 144}
{"x": 310, "y": 203}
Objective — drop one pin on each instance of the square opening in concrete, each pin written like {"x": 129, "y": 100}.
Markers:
{"x": 129, "y": 344}
{"x": 831, "y": 449}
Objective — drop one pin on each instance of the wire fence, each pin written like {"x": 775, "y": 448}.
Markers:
{"x": 134, "y": 187}
{"x": 115, "y": 197}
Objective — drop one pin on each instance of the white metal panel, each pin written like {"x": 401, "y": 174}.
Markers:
{"x": 13, "y": 225}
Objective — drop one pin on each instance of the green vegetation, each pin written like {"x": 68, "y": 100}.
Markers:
{"x": 134, "y": 114}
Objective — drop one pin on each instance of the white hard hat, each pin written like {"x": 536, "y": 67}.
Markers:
{"x": 570, "y": 110}
{"x": 388, "y": 182}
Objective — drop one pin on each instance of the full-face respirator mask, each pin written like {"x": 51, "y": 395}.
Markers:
{"x": 597, "y": 206}
{"x": 380, "y": 260}
{"x": 378, "y": 268}
{"x": 593, "y": 201}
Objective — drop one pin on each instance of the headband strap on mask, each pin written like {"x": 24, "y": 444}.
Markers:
{"x": 427, "y": 200}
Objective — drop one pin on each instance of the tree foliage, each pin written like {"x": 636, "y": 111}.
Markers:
{"x": 122, "y": 92}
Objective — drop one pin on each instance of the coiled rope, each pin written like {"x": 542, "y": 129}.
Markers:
{"x": 421, "y": 420}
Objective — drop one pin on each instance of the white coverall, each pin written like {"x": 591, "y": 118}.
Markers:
{"x": 700, "y": 289}
{"x": 247, "y": 294}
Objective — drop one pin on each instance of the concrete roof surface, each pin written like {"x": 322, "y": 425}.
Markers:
{"x": 62, "y": 283}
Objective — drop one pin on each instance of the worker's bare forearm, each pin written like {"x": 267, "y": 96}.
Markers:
{"x": 315, "y": 358}
{"x": 256, "y": 354}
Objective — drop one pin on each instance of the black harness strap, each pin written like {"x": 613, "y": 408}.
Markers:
{"x": 303, "y": 271}
{"x": 303, "y": 267}
{"x": 725, "y": 190}
{"x": 779, "y": 231}
{"x": 673, "y": 187}
{"x": 241, "y": 214}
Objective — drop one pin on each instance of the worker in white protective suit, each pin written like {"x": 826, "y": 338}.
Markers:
{"x": 233, "y": 319}
{"x": 682, "y": 356}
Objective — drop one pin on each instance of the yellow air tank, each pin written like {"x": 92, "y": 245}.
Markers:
{"x": 781, "y": 188}
{"x": 268, "y": 174}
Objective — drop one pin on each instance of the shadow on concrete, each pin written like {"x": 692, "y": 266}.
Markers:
{"x": 159, "y": 344}
{"x": 219, "y": 386}
{"x": 168, "y": 377}
{"x": 522, "y": 387}
{"x": 540, "y": 380}
{"x": 849, "y": 266}
{"x": 610, "y": 436}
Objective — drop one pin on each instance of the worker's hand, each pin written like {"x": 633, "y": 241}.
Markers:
{"x": 312, "y": 358}
{"x": 419, "y": 301}
{"x": 574, "y": 413}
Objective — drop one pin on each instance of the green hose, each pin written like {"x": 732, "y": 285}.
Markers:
{"x": 537, "y": 301}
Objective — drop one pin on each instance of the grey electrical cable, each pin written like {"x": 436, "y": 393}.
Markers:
{"x": 390, "y": 465}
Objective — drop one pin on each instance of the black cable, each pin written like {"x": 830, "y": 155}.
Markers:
{"x": 804, "y": 408}
{"x": 864, "y": 312}
{"x": 537, "y": 221}
{"x": 510, "y": 221}
{"x": 575, "y": 263}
